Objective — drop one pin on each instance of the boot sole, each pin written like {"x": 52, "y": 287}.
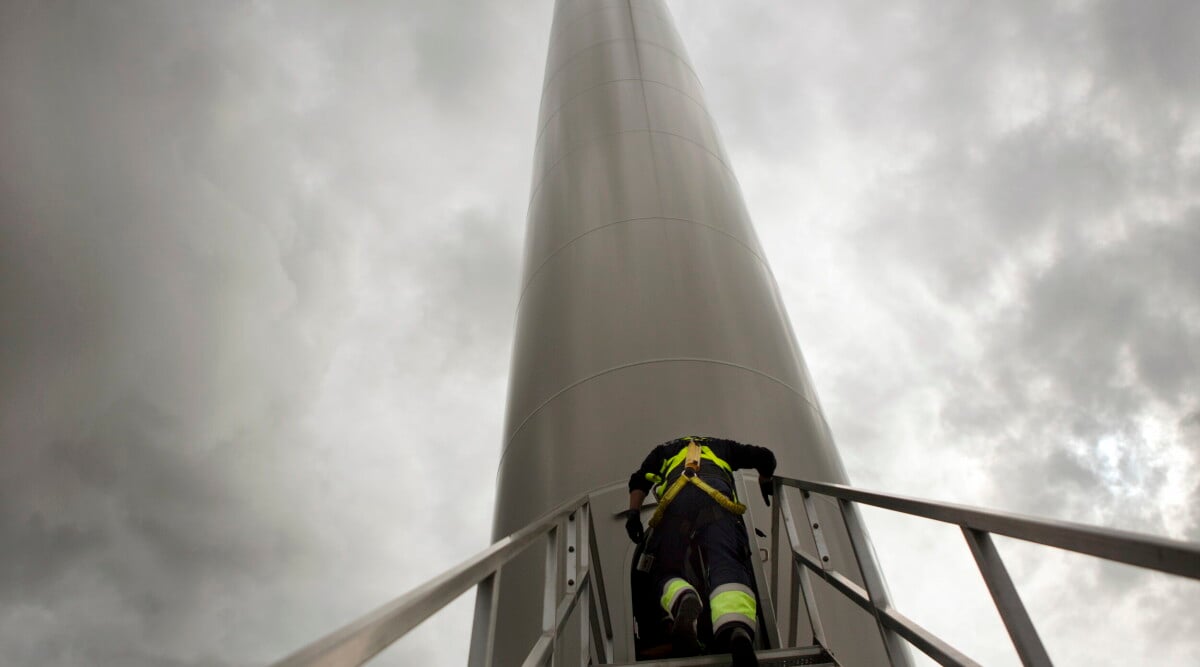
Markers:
{"x": 742, "y": 649}
{"x": 683, "y": 635}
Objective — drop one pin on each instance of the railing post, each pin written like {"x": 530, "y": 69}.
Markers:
{"x": 814, "y": 526}
{"x": 873, "y": 580}
{"x": 604, "y": 645}
{"x": 766, "y": 601}
{"x": 800, "y": 580}
{"x": 483, "y": 643}
{"x": 571, "y": 558}
{"x": 580, "y": 554}
{"x": 776, "y": 587}
{"x": 550, "y": 592}
{"x": 1008, "y": 601}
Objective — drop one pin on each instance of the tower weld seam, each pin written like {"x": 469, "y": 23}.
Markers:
{"x": 573, "y": 56}
{"x": 564, "y": 246}
{"x": 699, "y": 104}
{"x": 646, "y": 362}
{"x": 637, "y": 56}
{"x": 593, "y": 140}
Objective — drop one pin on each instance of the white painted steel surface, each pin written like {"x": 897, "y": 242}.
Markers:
{"x": 647, "y": 310}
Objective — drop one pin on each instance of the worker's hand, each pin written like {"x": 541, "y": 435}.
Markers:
{"x": 767, "y": 486}
{"x": 633, "y": 526}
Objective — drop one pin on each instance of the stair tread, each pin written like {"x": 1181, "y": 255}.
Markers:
{"x": 813, "y": 656}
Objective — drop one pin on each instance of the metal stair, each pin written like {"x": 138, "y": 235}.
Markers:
{"x": 574, "y": 588}
{"x": 813, "y": 656}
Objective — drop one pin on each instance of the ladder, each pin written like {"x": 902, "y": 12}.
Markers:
{"x": 567, "y": 535}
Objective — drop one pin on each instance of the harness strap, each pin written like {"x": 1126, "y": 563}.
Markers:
{"x": 685, "y": 479}
{"x": 692, "y": 462}
{"x": 687, "y": 457}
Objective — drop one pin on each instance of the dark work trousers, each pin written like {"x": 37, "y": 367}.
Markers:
{"x": 696, "y": 521}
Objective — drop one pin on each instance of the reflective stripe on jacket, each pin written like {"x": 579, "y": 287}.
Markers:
{"x": 719, "y": 458}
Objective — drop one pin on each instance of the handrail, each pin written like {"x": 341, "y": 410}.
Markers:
{"x": 1147, "y": 551}
{"x": 1142, "y": 550}
{"x": 364, "y": 638}
{"x": 571, "y": 540}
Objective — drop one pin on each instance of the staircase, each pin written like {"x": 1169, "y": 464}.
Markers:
{"x": 574, "y": 592}
{"x": 783, "y": 657}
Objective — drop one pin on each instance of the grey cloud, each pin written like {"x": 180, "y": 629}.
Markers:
{"x": 35, "y": 552}
{"x": 1099, "y": 313}
{"x": 253, "y": 257}
{"x": 1136, "y": 298}
{"x": 979, "y": 212}
{"x": 137, "y": 535}
{"x": 448, "y": 283}
{"x": 457, "y": 50}
{"x": 171, "y": 294}
{"x": 1006, "y": 310}
{"x": 1149, "y": 46}
{"x": 1089, "y": 347}
{"x": 1008, "y": 227}
{"x": 1189, "y": 428}
{"x": 466, "y": 300}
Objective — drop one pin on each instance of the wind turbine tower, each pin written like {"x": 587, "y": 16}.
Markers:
{"x": 647, "y": 311}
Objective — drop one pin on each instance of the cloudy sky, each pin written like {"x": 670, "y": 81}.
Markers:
{"x": 259, "y": 261}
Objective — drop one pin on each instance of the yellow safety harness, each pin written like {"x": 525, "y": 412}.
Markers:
{"x": 691, "y": 456}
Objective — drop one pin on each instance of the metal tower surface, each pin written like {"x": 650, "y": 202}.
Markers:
{"x": 647, "y": 308}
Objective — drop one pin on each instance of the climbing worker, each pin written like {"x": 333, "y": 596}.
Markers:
{"x": 698, "y": 510}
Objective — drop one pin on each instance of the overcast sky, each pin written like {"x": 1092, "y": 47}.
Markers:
{"x": 259, "y": 262}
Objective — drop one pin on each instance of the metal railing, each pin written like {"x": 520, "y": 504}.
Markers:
{"x": 569, "y": 538}
{"x": 1155, "y": 553}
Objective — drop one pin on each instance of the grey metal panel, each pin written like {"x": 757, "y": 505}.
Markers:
{"x": 647, "y": 309}
{"x": 700, "y": 187}
{"x": 652, "y": 28}
{"x": 643, "y": 405}
{"x": 600, "y": 315}
{"x": 604, "y": 62}
{"x": 607, "y": 52}
{"x": 599, "y": 183}
{"x": 656, "y": 7}
{"x": 566, "y": 11}
{"x": 604, "y": 25}
{"x": 668, "y": 68}
{"x": 673, "y": 112}
{"x": 591, "y": 191}
{"x": 606, "y": 109}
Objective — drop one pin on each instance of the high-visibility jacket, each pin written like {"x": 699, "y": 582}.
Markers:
{"x": 719, "y": 458}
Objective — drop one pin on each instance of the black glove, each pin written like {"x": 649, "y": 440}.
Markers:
{"x": 767, "y": 487}
{"x": 633, "y": 525}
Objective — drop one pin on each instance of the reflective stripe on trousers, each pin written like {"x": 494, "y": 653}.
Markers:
{"x": 671, "y": 590}
{"x": 732, "y": 603}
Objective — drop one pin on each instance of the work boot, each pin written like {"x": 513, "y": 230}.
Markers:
{"x": 741, "y": 646}
{"x": 683, "y": 633}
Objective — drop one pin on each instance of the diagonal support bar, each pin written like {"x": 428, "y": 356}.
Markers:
{"x": 872, "y": 577}
{"x": 929, "y": 643}
{"x": 1012, "y": 611}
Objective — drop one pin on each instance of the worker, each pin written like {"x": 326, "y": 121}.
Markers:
{"x": 698, "y": 509}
